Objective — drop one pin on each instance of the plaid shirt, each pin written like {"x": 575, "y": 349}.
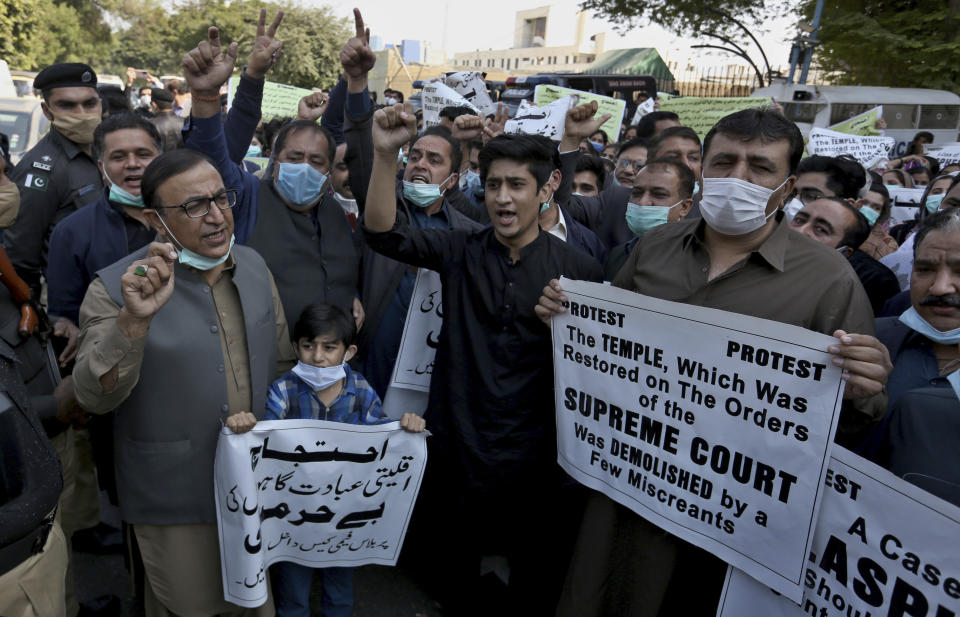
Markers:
{"x": 292, "y": 398}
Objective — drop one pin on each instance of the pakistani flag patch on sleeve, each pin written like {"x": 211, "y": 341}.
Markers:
{"x": 37, "y": 181}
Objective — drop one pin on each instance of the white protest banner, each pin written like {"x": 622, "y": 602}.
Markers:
{"x": 949, "y": 154}
{"x": 315, "y": 493}
{"x": 279, "y": 100}
{"x": 904, "y": 203}
{"x": 436, "y": 96}
{"x": 545, "y": 94}
{"x": 861, "y": 124}
{"x": 712, "y": 425}
{"x": 869, "y": 150}
{"x": 882, "y": 547}
{"x": 548, "y": 120}
{"x": 470, "y": 84}
{"x": 701, "y": 113}
{"x": 644, "y": 108}
{"x": 418, "y": 346}
{"x": 900, "y": 262}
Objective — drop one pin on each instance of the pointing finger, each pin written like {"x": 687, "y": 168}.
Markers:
{"x": 358, "y": 21}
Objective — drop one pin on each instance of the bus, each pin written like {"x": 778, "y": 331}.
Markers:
{"x": 907, "y": 111}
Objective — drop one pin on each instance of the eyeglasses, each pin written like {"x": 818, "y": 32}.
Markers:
{"x": 637, "y": 165}
{"x": 807, "y": 195}
{"x": 199, "y": 207}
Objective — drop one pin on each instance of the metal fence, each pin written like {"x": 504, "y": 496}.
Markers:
{"x": 728, "y": 81}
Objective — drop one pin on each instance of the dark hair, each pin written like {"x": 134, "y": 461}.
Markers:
{"x": 535, "y": 151}
{"x": 166, "y": 166}
{"x": 845, "y": 177}
{"x": 769, "y": 126}
{"x": 683, "y": 132}
{"x": 300, "y": 125}
{"x": 114, "y": 101}
{"x": 396, "y": 94}
{"x": 320, "y": 319}
{"x": 118, "y": 122}
{"x": 915, "y": 147}
{"x": 270, "y": 130}
{"x": 932, "y": 163}
{"x": 177, "y": 86}
{"x": 603, "y": 135}
{"x": 685, "y": 179}
{"x": 923, "y": 213}
{"x": 639, "y": 142}
{"x": 594, "y": 164}
{"x": 451, "y": 113}
{"x": 859, "y": 233}
{"x": 456, "y": 156}
{"x": 647, "y": 126}
{"x": 162, "y": 104}
{"x": 916, "y": 171}
{"x": 885, "y": 209}
{"x": 945, "y": 219}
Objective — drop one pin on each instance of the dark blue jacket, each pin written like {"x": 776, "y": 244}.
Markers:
{"x": 579, "y": 236}
{"x": 88, "y": 240}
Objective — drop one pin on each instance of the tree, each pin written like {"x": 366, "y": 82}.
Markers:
{"x": 905, "y": 43}
{"x": 45, "y": 32}
{"x": 156, "y": 40}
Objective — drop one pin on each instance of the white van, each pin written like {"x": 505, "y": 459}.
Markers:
{"x": 906, "y": 110}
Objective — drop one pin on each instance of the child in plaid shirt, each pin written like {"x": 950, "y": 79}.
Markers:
{"x": 320, "y": 387}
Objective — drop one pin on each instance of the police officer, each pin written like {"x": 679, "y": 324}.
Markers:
{"x": 58, "y": 175}
{"x": 168, "y": 124}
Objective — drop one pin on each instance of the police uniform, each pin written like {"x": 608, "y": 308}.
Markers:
{"x": 55, "y": 178}
{"x": 33, "y": 552}
{"x": 169, "y": 125}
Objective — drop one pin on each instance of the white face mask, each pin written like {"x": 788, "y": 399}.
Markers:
{"x": 349, "y": 205}
{"x": 793, "y": 206}
{"x": 735, "y": 207}
{"x": 319, "y": 377}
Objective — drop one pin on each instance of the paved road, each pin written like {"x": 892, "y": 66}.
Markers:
{"x": 379, "y": 591}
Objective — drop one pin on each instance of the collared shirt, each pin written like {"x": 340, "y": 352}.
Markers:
{"x": 914, "y": 362}
{"x": 560, "y": 229}
{"x": 789, "y": 278}
{"x": 490, "y": 393}
{"x": 290, "y": 397}
{"x": 98, "y": 318}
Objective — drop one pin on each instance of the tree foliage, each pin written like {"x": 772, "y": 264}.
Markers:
{"x": 883, "y": 43}
{"x": 151, "y": 36}
{"x": 905, "y": 43}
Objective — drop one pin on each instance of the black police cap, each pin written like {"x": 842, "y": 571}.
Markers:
{"x": 65, "y": 75}
{"x": 159, "y": 94}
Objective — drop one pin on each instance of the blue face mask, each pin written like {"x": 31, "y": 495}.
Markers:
{"x": 300, "y": 183}
{"x": 933, "y": 202}
{"x": 122, "y": 196}
{"x": 870, "y": 214}
{"x": 641, "y": 219}
{"x": 253, "y": 151}
{"x": 544, "y": 207}
{"x": 893, "y": 187}
{"x": 422, "y": 195}
{"x": 918, "y": 324}
{"x": 196, "y": 260}
{"x": 597, "y": 146}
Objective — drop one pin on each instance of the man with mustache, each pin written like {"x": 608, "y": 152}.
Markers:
{"x": 918, "y": 437}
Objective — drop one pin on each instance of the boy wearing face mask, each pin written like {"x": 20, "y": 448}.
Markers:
{"x": 320, "y": 387}
{"x": 58, "y": 175}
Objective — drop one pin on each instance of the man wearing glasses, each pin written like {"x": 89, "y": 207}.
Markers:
{"x": 175, "y": 338}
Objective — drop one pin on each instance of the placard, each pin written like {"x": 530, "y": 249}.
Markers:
{"x": 712, "y": 425}
{"x": 701, "y": 113}
{"x": 315, "y": 493}
{"x": 870, "y": 151}
{"x": 279, "y": 100}
{"x": 436, "y": 96}
{"x": 861, "y": 124}
{"x": 545, "y": 94}
{"x": 882, "y": 547}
